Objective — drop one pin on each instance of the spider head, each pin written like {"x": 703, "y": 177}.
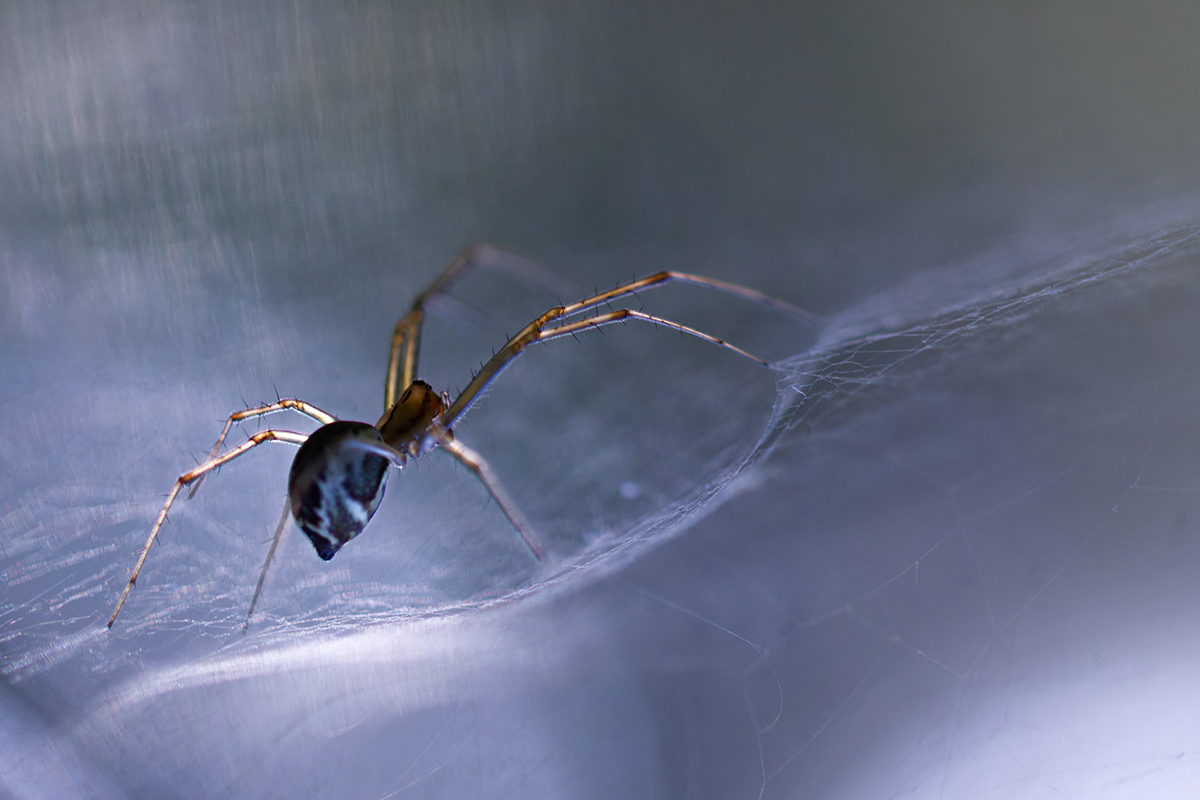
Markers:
{"x": 335, "y": 487}
{"x": 404, "y": 424}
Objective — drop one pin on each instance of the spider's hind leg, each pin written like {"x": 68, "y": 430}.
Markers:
{"x": 307, "y": 409}
{"x": 189, "y": 478}
{"x": 262, "y": 576}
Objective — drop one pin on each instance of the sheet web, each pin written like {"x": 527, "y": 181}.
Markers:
{"x": 873, "y": 380}
{"x": 886, "y": 339}
{"x": 989, "y": 537}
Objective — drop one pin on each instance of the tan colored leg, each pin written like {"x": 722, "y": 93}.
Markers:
{"x": 188, "y": 477}
{"x": 406, "y": 337}
{"x": 474, "y": 462}
{"x": 262, "y": 576}
{"x": 248, "y": 413}
{"x": 552, "y": 325}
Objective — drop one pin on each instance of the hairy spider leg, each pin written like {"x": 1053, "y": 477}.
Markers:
{"x": 667, "y": 276}
{"x": 262, "y": 576}
{"x": 188, "y": 477}
{"x": 406, "y": 338}
{"x": 474, "y": 462}
{"x": 543, "y": 328}
{"x": 247, "y": 413}
{"x": 620, "y": 315}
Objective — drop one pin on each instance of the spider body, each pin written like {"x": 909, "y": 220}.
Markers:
{"x": 335, "y": 487}
{"x": 339, "y": 474}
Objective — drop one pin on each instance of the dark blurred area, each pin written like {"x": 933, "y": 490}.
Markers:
{"x": 945, "y": 547}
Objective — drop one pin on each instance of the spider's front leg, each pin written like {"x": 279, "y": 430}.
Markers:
{"x": 406, "y": 337}
{"x": 549, "y": 326}
{"x": 557, "y": 323}
{"x": 553, "y": 324}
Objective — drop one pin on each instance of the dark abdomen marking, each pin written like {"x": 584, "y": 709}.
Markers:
{"x": 334, "y": 488}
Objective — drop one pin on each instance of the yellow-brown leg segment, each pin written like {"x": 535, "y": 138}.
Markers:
{"x": 474, "y": 462}
{"x": 406, "y": 337}
{"x": 248, "y": 413}
{"x": 544, "y": 329}
{"x": 665, "y": 277}
{"x": 187, "y": 478}
{"x": 600, "y": 320}
{"x": 262, "y": 576}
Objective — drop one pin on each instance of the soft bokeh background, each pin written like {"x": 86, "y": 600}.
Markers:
{"x": 945, "y": 547}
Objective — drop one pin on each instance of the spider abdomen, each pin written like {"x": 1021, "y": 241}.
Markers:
{"x": 334, "y": 487}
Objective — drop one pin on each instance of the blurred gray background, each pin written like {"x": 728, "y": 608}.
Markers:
{"x": 945, "y": 547}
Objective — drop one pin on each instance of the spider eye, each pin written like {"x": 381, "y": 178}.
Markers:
{"x": 334, "y": 488}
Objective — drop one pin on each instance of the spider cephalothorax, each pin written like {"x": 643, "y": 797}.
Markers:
{"x": 406, "y": 425}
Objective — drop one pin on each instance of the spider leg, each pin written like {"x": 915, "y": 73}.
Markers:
{"x": 474, "y": 462}
{"x": 237, "y": 416}
{"x": 187, "y": 478}
{"x": 542, "y": 329}
{"x": 623, "y": 314}
{"x": 406, "y": 337}
{"x": 287, "y": 511}
{"x": 665, "y": 277}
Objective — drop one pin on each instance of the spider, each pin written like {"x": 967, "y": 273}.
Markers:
{"x": 338, "y": 476}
